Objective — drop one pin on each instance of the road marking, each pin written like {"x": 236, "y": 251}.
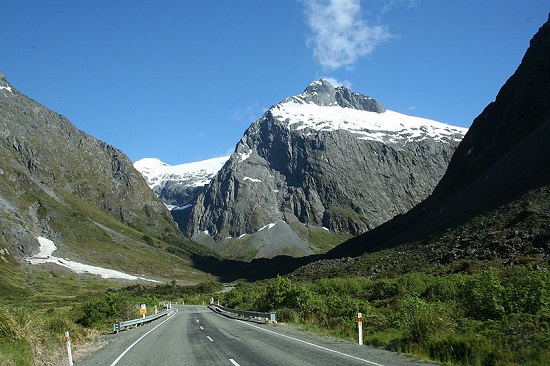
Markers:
{"x": 312, "y": 344}
{"x": 234, "y": 362}
{"x": 200, "y": 326}
{"x": 140, "y": 338}
{"x": 210, "y": 339}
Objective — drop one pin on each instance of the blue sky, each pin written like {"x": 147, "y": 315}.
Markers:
{"x": 182, "y": 80}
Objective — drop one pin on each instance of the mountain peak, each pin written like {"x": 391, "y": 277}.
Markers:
{"x": 323, "y": 93}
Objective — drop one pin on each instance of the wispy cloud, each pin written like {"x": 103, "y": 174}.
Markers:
{"x": 340, "y": 34}
{"x": 336, "y": 82}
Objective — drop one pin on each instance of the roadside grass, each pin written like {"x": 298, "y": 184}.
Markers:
{"x": 32, "y": 328}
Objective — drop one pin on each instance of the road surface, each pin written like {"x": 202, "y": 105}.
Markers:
{"x": 194, "y": 335}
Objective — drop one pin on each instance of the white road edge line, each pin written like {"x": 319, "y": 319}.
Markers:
{"x": 140, "y": 338}
{"x": 234, "y": 362}
{"x": 210, "y": 339}
{"x": 312, "y": 344}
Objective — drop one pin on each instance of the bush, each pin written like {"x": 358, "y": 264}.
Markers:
{"x": 382, "y": 289}
{"x": 482, "y": 296}
{"x": 102, "y": 309}
{"x": 287, "y": 315}
{"x": 422, "y": 320}
{"x": 525, "y": 290}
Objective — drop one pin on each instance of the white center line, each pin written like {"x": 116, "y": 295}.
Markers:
{"x": 234, "y": 362}
{"x": 210, "y": 339}
{"x": 200, "y": 326}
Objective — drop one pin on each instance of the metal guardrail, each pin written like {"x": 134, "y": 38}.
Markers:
{"x": 118, "y": 326}
{"x": 249, "y": 315}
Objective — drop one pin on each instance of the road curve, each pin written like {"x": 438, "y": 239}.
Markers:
{"x": 194, "y": 335}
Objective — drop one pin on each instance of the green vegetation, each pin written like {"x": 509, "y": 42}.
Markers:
{"x": 323, "y": 240}
{"x": 32, "y": 332}
{"x": 487, "y": 317}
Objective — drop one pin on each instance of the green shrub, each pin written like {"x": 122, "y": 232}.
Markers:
{"x": 443, "y": 288}
{"x": 382, "y": 289}
{"x": 413, "y": 284}
{"x": 102, "y": 309}
{"x": 287, "y": 315}
{"x": 525, "y": 290}
{"x": 482, "y": 296}
{"x": 422, "y": 320}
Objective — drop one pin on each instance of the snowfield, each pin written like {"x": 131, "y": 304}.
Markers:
{"x": 47, "y": 247}
{"x": 197, "y": 173}
{"x": 385, "y": 127}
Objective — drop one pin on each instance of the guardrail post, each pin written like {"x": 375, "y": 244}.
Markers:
{"x": 69, "y": 351}
{"x": 360, "y": 327}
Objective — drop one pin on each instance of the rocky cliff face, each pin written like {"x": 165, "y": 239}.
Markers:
{"x": 323, "y": 162}
{"x": 51, "y": 173}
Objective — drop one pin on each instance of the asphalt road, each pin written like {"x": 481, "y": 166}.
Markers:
{"x": 194, "y": 335}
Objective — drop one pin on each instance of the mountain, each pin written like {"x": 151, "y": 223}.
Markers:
{"x": 494, "y": 199}
{"x": 178, "y": 186}
{"x": 61, "y": 185}
{"x": 316, "y": 169}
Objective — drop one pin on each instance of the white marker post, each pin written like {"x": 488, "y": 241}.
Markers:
{"x": 360, "y": 327}
{"x": 69, "y": 352}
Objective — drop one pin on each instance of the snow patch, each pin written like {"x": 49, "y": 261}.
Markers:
{"x": 180, "y": 208}
{"x": 252, "y": 180}
{"x": 47, "y": 247}
{"x": 269, "y": 226}
{"x": 245, "y": 156}
{"x": 8, "y": 88}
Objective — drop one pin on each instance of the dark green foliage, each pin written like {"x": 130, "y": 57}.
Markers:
{"x": 482, "y": 296}
{"x": 105, "y": 308}
{"x": 382, "y": 289}
{"x": 488, "y": 317}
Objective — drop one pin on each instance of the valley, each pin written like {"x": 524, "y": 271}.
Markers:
{"x": 329, "y": 206}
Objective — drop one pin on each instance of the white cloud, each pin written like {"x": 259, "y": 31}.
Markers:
{"x": 336, "y": 82}
{"x": 340, "y": 35}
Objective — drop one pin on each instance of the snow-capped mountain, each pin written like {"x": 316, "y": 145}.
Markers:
{"x": 319, "y": 164}
{"x": 178, "y": 185}
{"x": 301, "y": 113}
